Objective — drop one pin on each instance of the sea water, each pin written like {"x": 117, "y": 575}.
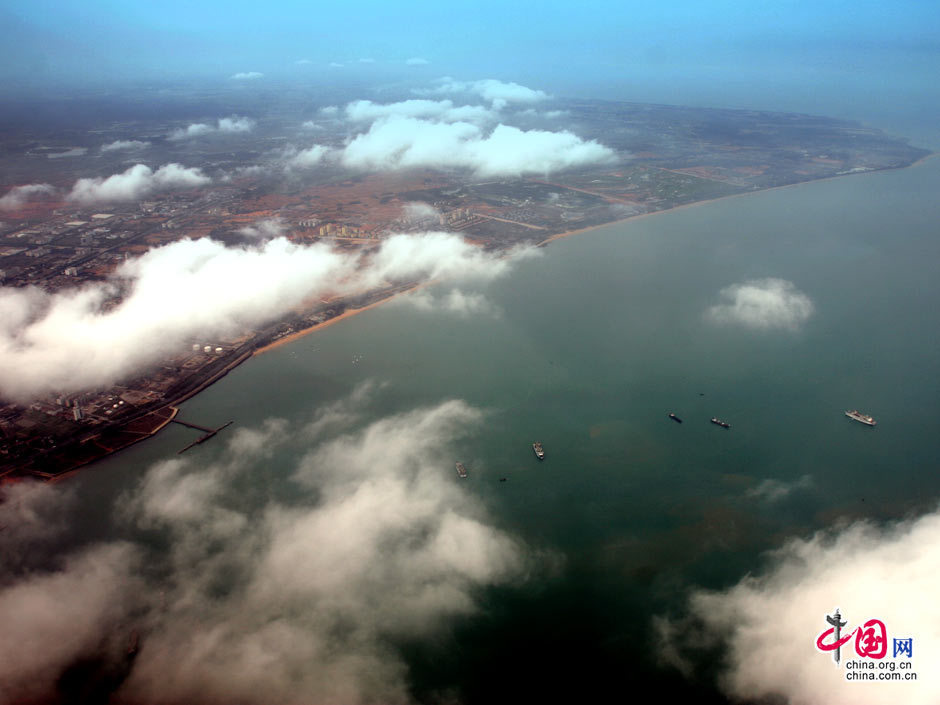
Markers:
{"x": 587, "y": 347}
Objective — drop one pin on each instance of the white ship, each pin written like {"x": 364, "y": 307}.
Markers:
{"x": 539, "y": 452}
{"x": 860, "y": 417}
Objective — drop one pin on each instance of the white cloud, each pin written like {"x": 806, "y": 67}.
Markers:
{"x": 499, "y": 93}
{"x": 266, "y": 229}
{"x": 237, "y": 287}
{"x": 436, "y": 255}
{"x": 247, "y": 76}
{"x": 417, "y": 210}
{"x": 294, "y": 158}
{"x": 195, "y": 130}
{"x": 466, "y": 304}
{"x": 136, "y": 182}
{"x": 52, "y": 619}
{"x": 770, "y": 623}
{"x": 771, "y": 490}
{"x": 229, "y": 125}
{"x": 255, "y": 170}
{"x": 71, "y": 341}
{"x": 18, "y": 196}
{"x": 31, "y": 515}
{"x": 236, "y": 124}
{"x": 336, "y": 65}
{"x": 441, "y": 110}
{"x": 303, "y": 62}
{"x": 379, "y": 543}
{"x": 397, "y": 142}
{"x": 74, "y": 152}
{"x": 366, "y": 61}
{"x": 416, "y": 61}
{"x": 455, "y": 301}
{"x": 763, "y": 303}
{"x": 403, "y": 142}
{"x": 287, "y": 159}
{"x": 124, "y": 145}
{"x": 311, "y": 125}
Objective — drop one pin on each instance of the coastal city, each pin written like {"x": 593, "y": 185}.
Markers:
{"x": 469, "y": 353}
{"x": 666, "y": 157}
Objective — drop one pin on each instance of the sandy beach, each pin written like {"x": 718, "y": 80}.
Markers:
{"x": 325, "y": 324}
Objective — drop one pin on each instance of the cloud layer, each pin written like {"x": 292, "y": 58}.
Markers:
{"x": 228, "y": 125}
{"x": 139, "y": 181}
{"x": 454, "y": 302}
{"x": 498, "y": 93}
{"x": 772, "y": 490}
{"x": 124, "y": 145}
{"x": 769, "y": 624}
{"x": 440, "y": 110}
{"x": 397, "y": 142}
{"x": 763, "y": 304}
{"x": 272, "y": 602}
{"x": 75, "y": 339}
{"x": 18, "y": 196}
{"x": 424, "y": 133}
{"x": 292, "y": 158}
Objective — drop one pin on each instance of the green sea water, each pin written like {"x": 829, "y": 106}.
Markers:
{"x": 587, "y": 347}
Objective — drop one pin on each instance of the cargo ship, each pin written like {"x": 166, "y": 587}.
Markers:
{"x": 539, "y": 452}
{"x": 675, "y": 418}
{"x": 860, "y": 417}
{"x": 461, "y": 470}
{"x": 719, "y": 422}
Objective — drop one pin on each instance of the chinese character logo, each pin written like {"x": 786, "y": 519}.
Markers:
{"x": 838, "y": 640}
{"x": 871, "y": 639}
{"x": 904, "y": 646}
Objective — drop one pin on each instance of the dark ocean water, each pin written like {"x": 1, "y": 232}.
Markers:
{"x": 587, "y": 348}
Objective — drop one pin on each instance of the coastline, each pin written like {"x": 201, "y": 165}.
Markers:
{"x": 296, "y": 335}
{"x": 640, "y": 216}
{"x": 52, "y": 479}
{"x": 570, "y": 233}
{"x": 923, "y": 159}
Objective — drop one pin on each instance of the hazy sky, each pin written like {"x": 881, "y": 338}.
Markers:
{"x": 847, "y": 57}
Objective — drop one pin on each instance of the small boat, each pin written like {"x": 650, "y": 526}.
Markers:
{"x": 675, "y": 418}
{"x": 860, "y": 417}
{"x": 719, "y": 422}
{"x": 461, "y": 470}
{"x": 539, "y": 452}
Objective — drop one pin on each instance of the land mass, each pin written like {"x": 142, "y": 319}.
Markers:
{"x": 667, "y": 157}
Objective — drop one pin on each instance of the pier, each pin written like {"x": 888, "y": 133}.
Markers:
{"x": 198, "y": 427}
{"x": 207, "y": 433}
